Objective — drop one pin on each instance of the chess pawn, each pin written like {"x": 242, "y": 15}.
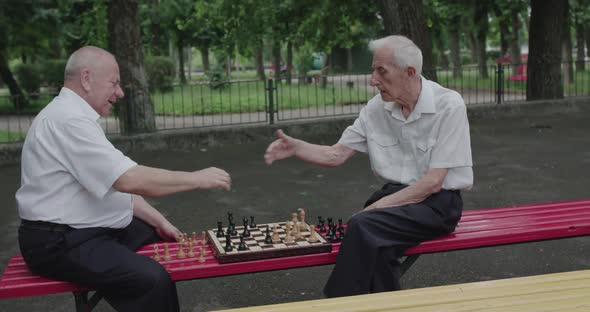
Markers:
{"x": 203, "y": 238}
{"x": 288, "y": 238}
{"x": 242, "y": 245}
{"x": 228, "y": 245}
{"x": 276, "y": 238}
{"x": 167, "y": 256}
{"x": 294, "y": 217}
{"x": 191, "y": 252}
{"x": 302, "y": 225}
{"x": 312, "y": 236}
{"x": 252, "y": 224}
{"x": 180, "y": 254}
{"x": 194, "y": 236}
{"x": 156, "y": 253}
{"x": 202, "y": 254}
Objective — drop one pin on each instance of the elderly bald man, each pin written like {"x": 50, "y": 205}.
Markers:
{"x": 416, "y": 134}
{"x": 80, "y": 200}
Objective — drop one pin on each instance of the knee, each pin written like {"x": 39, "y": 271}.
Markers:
{"x": 357, "y": 221}
{"x": 156, "y": 277}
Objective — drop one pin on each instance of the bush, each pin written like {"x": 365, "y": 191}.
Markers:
{"x": 160, "y": 71}
{"x": 52, "y": 73}
{"x": 29, "y": 78}
{"x": 217, "y": 78}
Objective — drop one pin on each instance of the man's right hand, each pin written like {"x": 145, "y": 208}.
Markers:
{"x": 283, "y": 147}
{"x": 212, "y": 177}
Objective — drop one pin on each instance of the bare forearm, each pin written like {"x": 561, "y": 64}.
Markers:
{"x": 144, "y": 211}
{"x": 323, "y": 155}
{"x": 153, "y": 182}
{"x": 431, "y": 183}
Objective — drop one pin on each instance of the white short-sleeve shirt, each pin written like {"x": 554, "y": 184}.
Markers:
{"x": 68, "y": 168}
{"x": 435, "y": 135}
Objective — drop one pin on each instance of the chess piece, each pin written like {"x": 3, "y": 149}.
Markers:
{"x": 202, "y": 254}
{"x": 321, "y": 223}
{"x": 302, "y": 225}
{"x": 312, "y": 236}
{"x": 203, "y": 238}
{"x": 297, "y": 229}
{"x": 267, "y": 237}
{"x": 331, "y": 235}
{"x": 294, "y": 217}
{"x": 191, "y": 252}
{"x": 194, "y": 237}
{"x": 228, "y": 245}
{"x": 180, "y": 254}
{"x": 246, "y": 232}
{"x": 231, "y": 229}
{"x": 288, "y": 238}
{"x": 340, "y": 230}
{"x": 220, "y": 232}
{"x": 242, "y": 245}
{"x": 230, "y": 217}
{"x": 276, "y": 238}
{"x": 167, "y": 256}
{"x": 156, "y": 253}
{"x": 252, "y": 224}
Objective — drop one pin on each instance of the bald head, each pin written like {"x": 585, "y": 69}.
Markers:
{"x": 88, "y": 57}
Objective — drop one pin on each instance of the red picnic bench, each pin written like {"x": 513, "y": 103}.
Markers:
{"x": 477, "y": 228}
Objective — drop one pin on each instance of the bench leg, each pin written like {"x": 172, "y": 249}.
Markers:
{"x": 407, "y": 263}
{"x": 83, "y": 304}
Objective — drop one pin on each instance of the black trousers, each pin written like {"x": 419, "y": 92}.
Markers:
{"x": 368, "y": 258}
{"x": 101, "y": 258}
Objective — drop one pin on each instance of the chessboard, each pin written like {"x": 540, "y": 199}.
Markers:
{"x": 257, "y": 249}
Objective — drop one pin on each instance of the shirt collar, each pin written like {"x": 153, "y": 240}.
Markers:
{"x": 424, "y": 105}
{"x": 85, "y": 108}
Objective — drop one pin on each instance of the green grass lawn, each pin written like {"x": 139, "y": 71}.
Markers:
{"x": 7, "y": 136}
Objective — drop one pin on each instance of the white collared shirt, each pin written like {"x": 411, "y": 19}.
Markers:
{"x": 435, "y": 135}
{"x": 68, "y": 168}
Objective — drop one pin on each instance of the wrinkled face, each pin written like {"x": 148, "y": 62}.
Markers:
{"x": 105, "y": 87}
{"x": 390, "y": 79}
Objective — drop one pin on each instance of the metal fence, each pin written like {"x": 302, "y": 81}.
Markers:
{"x": 237, "y": 102}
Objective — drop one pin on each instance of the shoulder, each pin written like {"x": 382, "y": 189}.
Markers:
{"x": 446, "y": 100}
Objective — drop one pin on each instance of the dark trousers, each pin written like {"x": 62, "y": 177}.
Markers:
{"x": 101, "y": 258}
{"x": 368, "y": 258}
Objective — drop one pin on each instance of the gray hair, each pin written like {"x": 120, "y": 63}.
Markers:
{"x": 405, "y": 52}
{"x": 85, "y": 57}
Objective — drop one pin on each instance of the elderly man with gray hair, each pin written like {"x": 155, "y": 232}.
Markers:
{"x": 416, "y": 134}
{"x": 81, "y": 199}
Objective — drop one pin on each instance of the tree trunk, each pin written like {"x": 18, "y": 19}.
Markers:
{"x": 413, "y": 26}
{"x": 580, "y": 62}
{"x": 472, "y": 42}
{"x": 455, "y": 53}
{"x": 389, "y": 13}
{"x": 205, "y": 59}
{"x": 16, "y": 94}
{"x": 180, "y": 49}
{"x": 544, "y": 62}
{"x": 136, "y": 113}
{"x": 504, "y": 26}
{"x": 515, "y": 57}
{"x": 289, "y": 60}
{"x": 258, "y": 60}
{"x": 587, "y": 36}
{"x": 566, "y": 48}
{"x": 481, "y": 29}
{"x": 443, "y": 59}
{"x": 326, "y": 70}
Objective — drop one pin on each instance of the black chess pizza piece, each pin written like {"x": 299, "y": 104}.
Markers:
{"x": 242, "y": 246}
{"x": 220, "y": 232}
{"x": 246, "y": 233}
{"x": 228, "y": 245}
{"x": 252, "y": 224}
{"x": 268, "y": 238}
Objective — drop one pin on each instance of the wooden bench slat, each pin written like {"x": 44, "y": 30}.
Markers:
{"x": 559, "y": 290}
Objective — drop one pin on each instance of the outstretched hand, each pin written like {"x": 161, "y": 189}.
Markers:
{"x": 211, "y": 178}
{"x": 281, "y": 148}
{"x": 168, "y": 231}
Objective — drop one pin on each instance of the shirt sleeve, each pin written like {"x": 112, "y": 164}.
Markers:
{"x": 89, "y": 156}
{"x": 355, "y": 135}
{"x": 453, "y": 145}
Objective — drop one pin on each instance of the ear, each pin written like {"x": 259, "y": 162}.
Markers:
{"x": 85, "y": 79}
{"x": 411, "y": 71}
